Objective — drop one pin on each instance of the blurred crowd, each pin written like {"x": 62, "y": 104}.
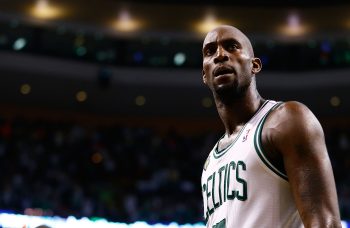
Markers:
{"x": 338, "y": 144}
{"x": 120, "y": 173}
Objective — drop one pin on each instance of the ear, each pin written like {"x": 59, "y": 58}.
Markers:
{"x": 204, "y": 77}
{"x": 257, "y": 65}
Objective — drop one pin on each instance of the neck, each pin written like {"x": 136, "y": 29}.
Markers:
{"x": 235, "y": 112}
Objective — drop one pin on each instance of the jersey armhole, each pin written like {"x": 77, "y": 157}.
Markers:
{"x": 260, "y": 150}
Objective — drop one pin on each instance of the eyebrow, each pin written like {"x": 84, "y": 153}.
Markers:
{"x": 207, "y": 45}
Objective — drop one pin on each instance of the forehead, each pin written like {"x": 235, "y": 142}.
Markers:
{"x": 223, "y": 33}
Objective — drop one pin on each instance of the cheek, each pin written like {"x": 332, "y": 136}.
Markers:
{"x": 244, "y": 55}
{"x": 206, "y": 67}
{"x": 245, "y": 64}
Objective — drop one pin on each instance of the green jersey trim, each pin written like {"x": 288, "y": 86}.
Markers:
{"x": 258, "y": 145}
{"x": 219, "y": 153}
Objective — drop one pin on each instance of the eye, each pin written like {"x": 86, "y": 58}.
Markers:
{"x": 209, "y": 51}
{"x": 232, "y": 47}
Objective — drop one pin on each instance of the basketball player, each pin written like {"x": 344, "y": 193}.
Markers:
{"x": 271, "y": 168}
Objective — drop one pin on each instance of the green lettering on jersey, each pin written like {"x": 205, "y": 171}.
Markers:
{"x": 221, "y": 224}
{"x": 230, "y": 196}
{"x": 204, "y": 187}
{"x": 225, "y": 182}
{"x": 242, "y": 196}
{"x": 208, "y": 195}
{"x": 216, "y": 205}
{"x": 230, "y": 191}
{"x": 220, "y": 181}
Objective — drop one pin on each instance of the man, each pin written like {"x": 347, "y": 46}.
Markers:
{"x": 271, "y": 168}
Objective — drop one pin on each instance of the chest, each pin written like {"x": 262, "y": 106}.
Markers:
{"x": 233, "y": 160}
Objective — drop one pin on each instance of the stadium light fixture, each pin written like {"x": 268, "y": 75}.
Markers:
{"x": 294, "y": 26}
{"x": 43, "y": 10}
{"x": 125, "y": 23}
{"x": 209, "y": 23}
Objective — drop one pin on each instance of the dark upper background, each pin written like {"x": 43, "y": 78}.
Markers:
{"x": 84, "y": 49}
{"x": 52, "y": 158}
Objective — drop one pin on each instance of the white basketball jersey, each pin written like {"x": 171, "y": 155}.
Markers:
{"x": 241, "y": 188}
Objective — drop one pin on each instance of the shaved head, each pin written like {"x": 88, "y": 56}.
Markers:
{"x": 234, "y": 32}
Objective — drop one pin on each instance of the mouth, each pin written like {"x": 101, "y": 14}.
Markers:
{"x": 222, "y": 70}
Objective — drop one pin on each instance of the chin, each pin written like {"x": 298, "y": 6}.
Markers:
{"x": 232, "y": 91}
{"x": 226, "y": 87}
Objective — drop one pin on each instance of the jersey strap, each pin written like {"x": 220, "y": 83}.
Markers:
{"x": 218, "y": 153}
{"x": 258, "y": 145}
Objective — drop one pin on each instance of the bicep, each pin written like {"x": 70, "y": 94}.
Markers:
{"x": 310, "y": 176}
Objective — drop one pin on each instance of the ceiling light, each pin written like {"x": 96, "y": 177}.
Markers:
{"x": 293, "y": 27}
{"x": 208, "y": 24}
{"x": 43, "y": 10}
{"x": 125, "y": 23}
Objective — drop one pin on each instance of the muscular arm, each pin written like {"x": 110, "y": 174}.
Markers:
{"x": 295, "y": 136}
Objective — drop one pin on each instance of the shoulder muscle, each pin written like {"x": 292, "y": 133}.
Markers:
{"x": 292, "y": 125}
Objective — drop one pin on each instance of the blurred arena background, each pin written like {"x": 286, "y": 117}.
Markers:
{"x": 104, "y": 114}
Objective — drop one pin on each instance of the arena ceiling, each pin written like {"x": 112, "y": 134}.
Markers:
{"x": 182, "y": 18}
{"x": 182, "y": 94}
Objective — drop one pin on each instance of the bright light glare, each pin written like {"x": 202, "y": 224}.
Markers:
{"x": 179, "y": 59}
{"x": 208, "y": 24}
{"x": 44, "y": 10}
{"x": 125, "y": 23}
{"x": 294, "y": 27}
{"x": 19, "y": 44}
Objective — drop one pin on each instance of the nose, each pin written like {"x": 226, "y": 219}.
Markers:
{"x": 221, "y": 56}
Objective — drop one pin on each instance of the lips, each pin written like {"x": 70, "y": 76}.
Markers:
{"x": 222, "y": 70}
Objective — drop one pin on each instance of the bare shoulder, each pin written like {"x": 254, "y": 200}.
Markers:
{"x": 293, "y": 123}
{"x": 293, "y": 115}
{"x": 293, "y": 110}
